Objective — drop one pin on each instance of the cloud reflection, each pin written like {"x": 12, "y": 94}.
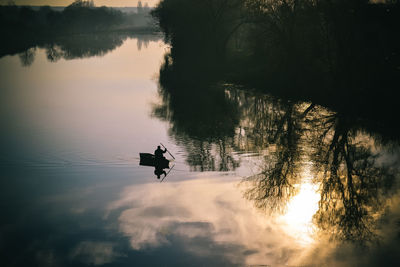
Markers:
{"x": 94, "y": 253}
{"x": 154, "y": 215}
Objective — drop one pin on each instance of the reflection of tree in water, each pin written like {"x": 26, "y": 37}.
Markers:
{"x": 354, "y": 186}
{"x": 352, "y": 182}
{"x": 214, "y": 123}
{"x": 144, "y": 41}
{"x": 203, "y": 119}
{"x": 27, "y": 57}
{"x": 275, "y": 185}
{"x": 83, "y": 46}
{"x": 206, "y": 155}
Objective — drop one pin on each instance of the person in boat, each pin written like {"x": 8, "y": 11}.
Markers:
{"x": 158, "y": 153}
{"x": 159, "y": 171}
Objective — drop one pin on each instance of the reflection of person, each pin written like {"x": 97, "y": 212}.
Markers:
{"x": 159, "y": 153}
{"x": 159, "y": 171}
{"x": 159, "y": 162}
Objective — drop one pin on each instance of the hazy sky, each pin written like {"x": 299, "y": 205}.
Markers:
{"x": 67, "y": 2}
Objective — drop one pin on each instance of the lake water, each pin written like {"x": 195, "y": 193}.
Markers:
{"x": 256, "y": 180}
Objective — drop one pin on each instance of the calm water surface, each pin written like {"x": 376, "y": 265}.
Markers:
{"x": 256, "y": 180}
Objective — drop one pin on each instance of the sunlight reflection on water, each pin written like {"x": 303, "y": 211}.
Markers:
{"x": 300, "y": 211}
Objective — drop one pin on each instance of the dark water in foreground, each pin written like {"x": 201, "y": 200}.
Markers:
{"x": 256, "y": 180}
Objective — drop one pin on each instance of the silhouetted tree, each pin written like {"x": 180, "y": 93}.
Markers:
{"x": 208, "y": 25}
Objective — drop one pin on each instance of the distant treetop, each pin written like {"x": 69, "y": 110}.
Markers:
{"x": 142, "y": 8}
{"x": 82, "y": 3}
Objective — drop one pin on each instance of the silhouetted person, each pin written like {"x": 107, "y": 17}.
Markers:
{"x": 159, "y": 171}
{"x": 159, "y": 153}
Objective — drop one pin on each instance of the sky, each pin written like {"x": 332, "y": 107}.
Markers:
{"x": 116, "y": 3}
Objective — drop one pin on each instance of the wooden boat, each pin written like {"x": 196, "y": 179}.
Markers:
{"x": 147, "y": 159}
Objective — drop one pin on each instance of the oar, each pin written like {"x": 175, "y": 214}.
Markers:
{"x": 167, "y": 151}
{"x": 167, "y": 173}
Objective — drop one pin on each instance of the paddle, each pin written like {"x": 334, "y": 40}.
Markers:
{"x": 167, "y": 173}
{"x": 167, "y": 151}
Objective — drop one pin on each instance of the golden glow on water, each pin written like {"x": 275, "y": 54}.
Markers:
{"x": 300, "y": 211}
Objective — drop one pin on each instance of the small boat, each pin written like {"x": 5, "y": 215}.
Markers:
{"x": 147, "y": 159}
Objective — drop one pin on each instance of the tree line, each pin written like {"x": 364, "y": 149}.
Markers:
{"x": 24, "y": 27}
{"x": 80, "y": 16}
{"x": 333, "y": 52}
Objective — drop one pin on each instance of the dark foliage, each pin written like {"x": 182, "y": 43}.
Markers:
{"x": 341, "y": 54}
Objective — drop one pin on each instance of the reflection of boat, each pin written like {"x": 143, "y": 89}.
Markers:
{"x": 147, "y": 159}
